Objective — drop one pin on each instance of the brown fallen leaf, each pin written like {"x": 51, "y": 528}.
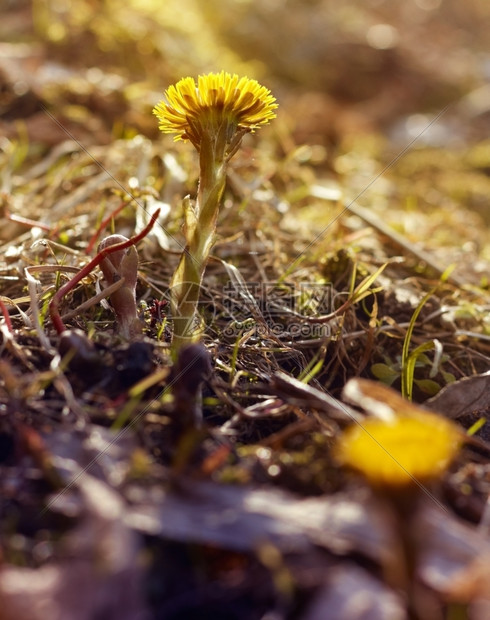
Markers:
{"x": 351, "y": 593}
{"x": 455, "y": 559}
{"x": 239, "y": 518}
{"x": 465, "y": 396}
{"x": 97, "y": 576}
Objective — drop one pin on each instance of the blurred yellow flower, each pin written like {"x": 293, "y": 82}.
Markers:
{"x": 219, "y": 102}
{"x": 415, "y": 446}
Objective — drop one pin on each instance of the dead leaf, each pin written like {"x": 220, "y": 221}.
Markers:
{"x": 99, "y": 575}
{"x": 467, "y": 395}
{"x": 350, "y": 593}
{"x": 455, "y": 558}
{"x": 239, "y": 518}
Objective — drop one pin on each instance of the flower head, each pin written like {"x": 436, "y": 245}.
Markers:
{"x": 219, "y": 102}
{"x": 415, "y": 444}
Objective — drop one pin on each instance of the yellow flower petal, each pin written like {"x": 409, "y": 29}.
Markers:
{"x": 413, "y": 445}
{"x": 218, "y": 99}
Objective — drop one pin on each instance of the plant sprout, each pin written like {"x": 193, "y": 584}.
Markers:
{"x": 122, "y": 264}
{"x": 54, "y": 304}
{"x": 213, "y": 115}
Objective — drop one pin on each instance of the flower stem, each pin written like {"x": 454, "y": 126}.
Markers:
{"x": 200, "y": 229}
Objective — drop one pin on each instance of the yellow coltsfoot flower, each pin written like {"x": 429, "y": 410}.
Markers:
{"x": 399, "y": 452}
{"x": 213, "y": 115}
{"x": 411, "y": 446}
{"x": 218, "y": 103}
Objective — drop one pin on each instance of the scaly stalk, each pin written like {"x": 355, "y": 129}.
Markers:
{"x": 200, "y": 230}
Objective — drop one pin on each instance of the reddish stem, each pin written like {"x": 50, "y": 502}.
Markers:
{"x": 102, "y": 225}
{"x": 25, "y": 221}
{"x": 63, "y": 290}
{"x": 6, "y": 316}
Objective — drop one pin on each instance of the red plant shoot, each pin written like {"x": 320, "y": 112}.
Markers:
{"x": 66, "y": 288}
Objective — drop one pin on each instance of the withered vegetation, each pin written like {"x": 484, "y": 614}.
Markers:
{"x": 352, "y": 243}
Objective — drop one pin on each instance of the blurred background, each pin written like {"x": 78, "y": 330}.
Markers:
{"x": 336, "y": 67}
{"x": 357, "y": 83}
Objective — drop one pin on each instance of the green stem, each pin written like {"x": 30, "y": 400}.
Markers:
{"x": 200, "y": 228}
